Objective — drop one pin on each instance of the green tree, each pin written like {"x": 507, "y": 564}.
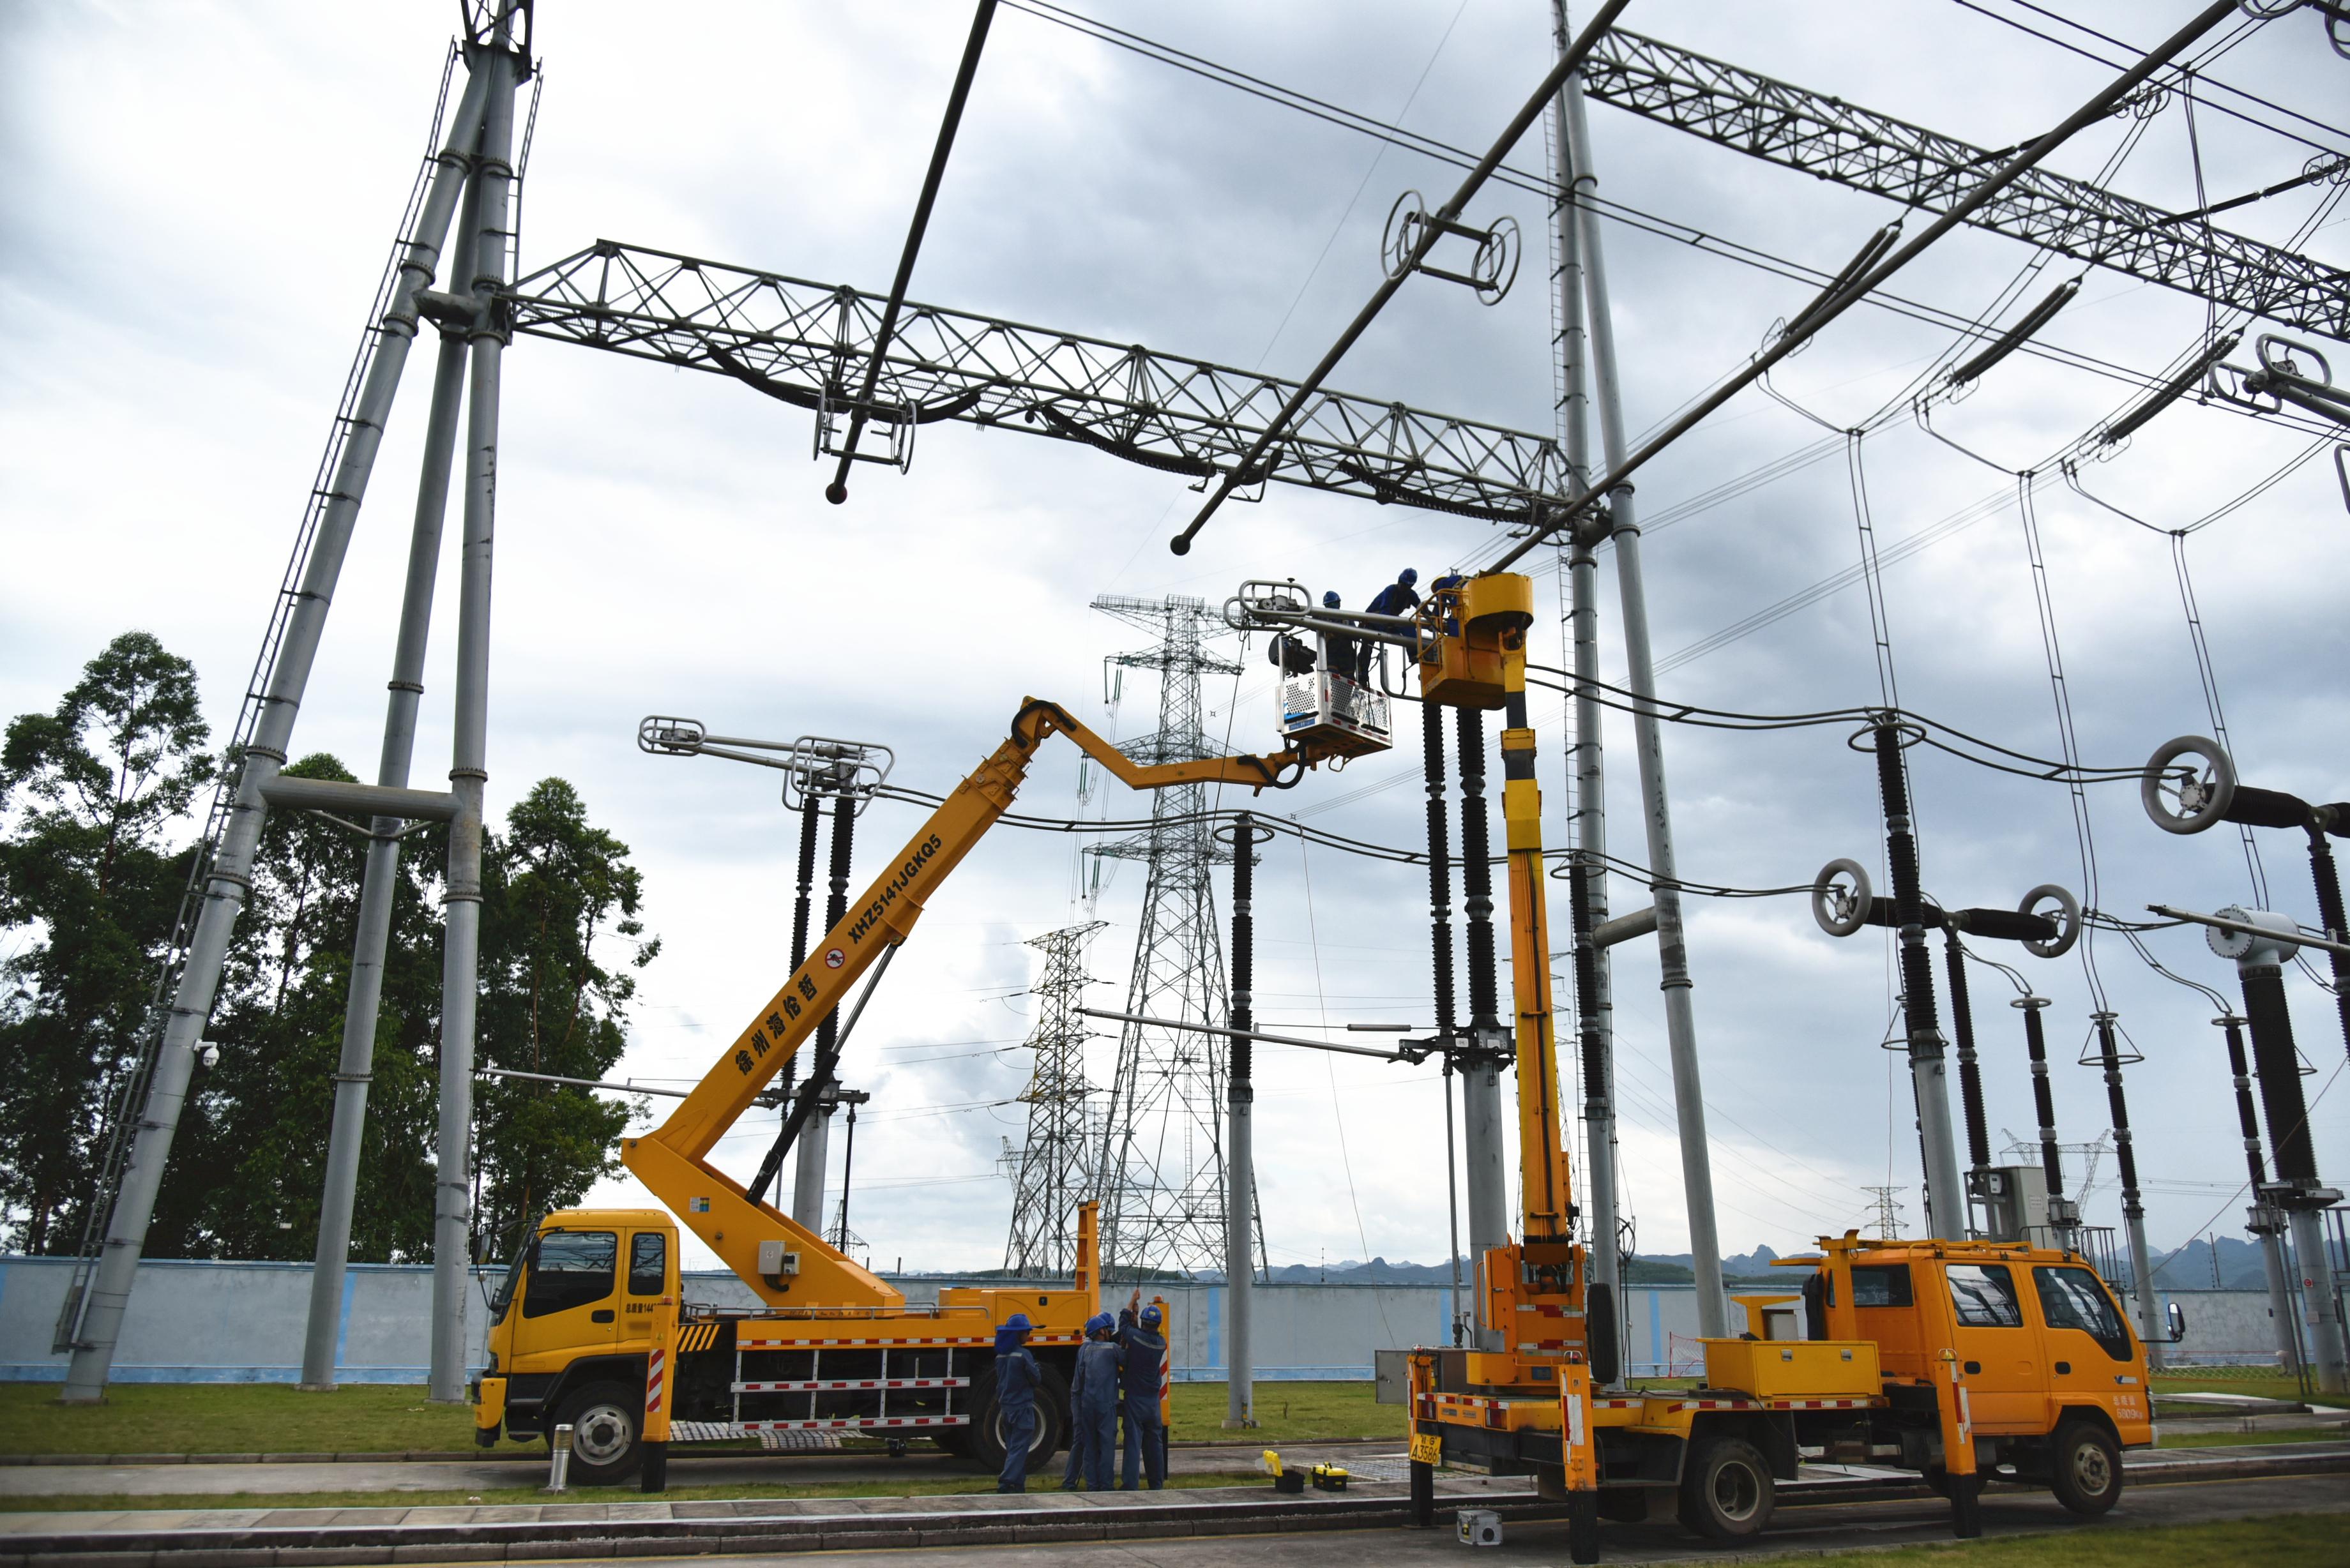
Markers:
{"x": 89, "y": 886}
{"x": 552, "y": 1002}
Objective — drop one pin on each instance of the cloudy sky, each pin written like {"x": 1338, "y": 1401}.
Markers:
{"x": 201, "y": 197}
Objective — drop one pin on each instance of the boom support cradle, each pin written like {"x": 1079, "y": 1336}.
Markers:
{"x": 673, "y": 1159}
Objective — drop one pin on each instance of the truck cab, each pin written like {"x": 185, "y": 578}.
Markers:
{"x": 570, "y": 1325}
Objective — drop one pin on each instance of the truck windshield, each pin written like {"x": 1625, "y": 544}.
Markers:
{"x": 502, "y": 1300}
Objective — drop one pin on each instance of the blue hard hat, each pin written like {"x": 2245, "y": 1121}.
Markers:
{"x": 1330, "y": 600}
{"x": 1100, "y": 1323}
{"x": 1018, "y": 1321}
{"x": 1150, "y": 1316}
{"x": 1407, "y": 577}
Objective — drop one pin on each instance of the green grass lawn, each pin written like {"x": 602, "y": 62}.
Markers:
{"x": 231, "y": 1419}
{"x": 915, "y": 1486}
{"x": 2305, "y": 1538}
{"x": 2234, "y": 1439}
{"x": 2266, "y": 1386}
{"x": 1286, "y": 1413}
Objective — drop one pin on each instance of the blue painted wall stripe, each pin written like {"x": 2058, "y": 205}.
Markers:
{"x": 343, "y": 1325}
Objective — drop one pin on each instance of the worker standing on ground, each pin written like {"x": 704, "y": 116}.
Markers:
{"x": 1398, "y": 597}
{"x": 1340, "y": 656}
{"x": 1016, "y": 1378}
{"x": 1145, "y": 1349}
{"x": 1093, "y": 1402}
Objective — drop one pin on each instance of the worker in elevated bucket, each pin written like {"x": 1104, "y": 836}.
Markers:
{"x": 1092, "y": 1403}
{"x": 1338, "y": 657}
{"x": 1016, "y": 1378}
{"x": 1146, "y": 1434}
{"x": 1398, "y": 597}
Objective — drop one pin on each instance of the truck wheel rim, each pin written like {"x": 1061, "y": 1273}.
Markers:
{"x": 1736, "y": 1494}
{"x": 2090, "y": 1469}
{"x": 601, "y": 1434}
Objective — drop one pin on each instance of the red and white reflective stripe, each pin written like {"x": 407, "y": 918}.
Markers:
{"x": 854, "y": 1423}
{"x": 809, "y": 1386}
{"x": 655, "y": 1371}
{"x": 1716, "y": 1405}
{"x": 742, "y": 1343}
{"x": 1616, "y": 1403}
{"x": 1856, "y": 1404}
{"x": 1543, "y": 1311}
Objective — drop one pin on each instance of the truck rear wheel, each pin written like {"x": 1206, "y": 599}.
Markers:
{"x": 2086, "y": 1467}
{"x": 1726, "y": 1488}
{"x": 606, "y": 1420}
{"x": 983, "y": 1443}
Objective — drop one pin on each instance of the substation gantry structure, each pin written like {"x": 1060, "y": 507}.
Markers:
{"x": 802, "y": 343}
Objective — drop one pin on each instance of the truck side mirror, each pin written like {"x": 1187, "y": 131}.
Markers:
{"x": 2178, "y": 1322}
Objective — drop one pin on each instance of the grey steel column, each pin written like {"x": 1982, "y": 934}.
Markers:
{"x": 1672, "y": 945}
{"x": 356, "y": 1069}
{"x": 2149, "y": 1309}
{"x": 1587, "y": 766}
{"x": 2281, "y": 1305}
{"x": 469, "y": 763}
{"x": 2328, "y": 1350}
{"x": 1240, "y": 1108}
{"x": 289, "y": 674}
{"x": 807, "y": 1175}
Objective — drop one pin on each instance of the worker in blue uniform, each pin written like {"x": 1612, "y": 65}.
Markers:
{"x": 1398, "y": 597}
{"x": 1016, "y": 1380}
{"x": 1340, "y": 656}
{"x": 1146, "y": 1435}
{"x": 1093, "y": 1400}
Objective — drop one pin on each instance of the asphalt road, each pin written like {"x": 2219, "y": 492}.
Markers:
{"x": 1794, "y": 1531}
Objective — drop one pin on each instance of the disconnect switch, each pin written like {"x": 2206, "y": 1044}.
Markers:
{"x": 774, "y": 1262}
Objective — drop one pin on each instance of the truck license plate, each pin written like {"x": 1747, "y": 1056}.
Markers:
{"x": 1427, "y": 1448}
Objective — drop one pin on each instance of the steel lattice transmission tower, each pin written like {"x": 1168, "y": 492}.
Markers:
{"x": 1160, "y": 1170}
{"x": 1052, "y": 1169}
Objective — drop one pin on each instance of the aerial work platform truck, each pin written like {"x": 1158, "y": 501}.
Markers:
{"x": 1955, "y": 1359}
{"x": 591, "y": 1328}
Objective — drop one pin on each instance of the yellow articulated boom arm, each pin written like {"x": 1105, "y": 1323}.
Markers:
{"x": 673, "y": 1159}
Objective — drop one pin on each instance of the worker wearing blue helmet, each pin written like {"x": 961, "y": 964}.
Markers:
{"x": 1398, "y": 597}
{"x": 1146, "y": 1433}
{"x": 1093, "y": 1402}
{"x": 1017, "y": 1380}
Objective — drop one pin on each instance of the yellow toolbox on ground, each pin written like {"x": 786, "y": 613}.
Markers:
{"x": 1792, "y": 1368}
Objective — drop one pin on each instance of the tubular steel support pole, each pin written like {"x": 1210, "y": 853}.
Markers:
{"x": 1672, "y": 944}
{"x": 2266, "y": 1221}
{"x": 1594, "y": 1009}
{"x": 1240, "y": 1106}
{"x": 289, "y": 673}
{"x": 355, "y": 1068}
{"x": 469, "y": 763}
{"x": 1484, "y": 1139}
{"x": 809, "y": 811}
{"x": 1970, "y": 1093}
{"x": 2044, "y": 1103}
{"x": 2149, "y": 1309}
{"x": 1945, "y": 1195}
{"x": 807, "y": 1178}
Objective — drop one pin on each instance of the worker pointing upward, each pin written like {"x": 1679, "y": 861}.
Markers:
{"x": 1146, "y": 1352}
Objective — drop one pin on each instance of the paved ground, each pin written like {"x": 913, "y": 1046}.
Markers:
{"x": 1799, "y": 1532}
{"x": 920, "y": 1463}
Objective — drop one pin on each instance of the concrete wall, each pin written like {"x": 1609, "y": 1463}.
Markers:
{"x": 243, "y": 1322}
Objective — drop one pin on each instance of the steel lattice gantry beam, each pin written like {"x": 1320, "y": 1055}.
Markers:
{"x": 1836, "y": 141}
{"x": 806, "y": 343}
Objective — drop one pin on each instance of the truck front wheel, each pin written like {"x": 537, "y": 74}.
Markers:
{"x": 605, "y": 1420}
{"x": 1726, "y": 1488}
{"x": 2085, "y": 1469}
